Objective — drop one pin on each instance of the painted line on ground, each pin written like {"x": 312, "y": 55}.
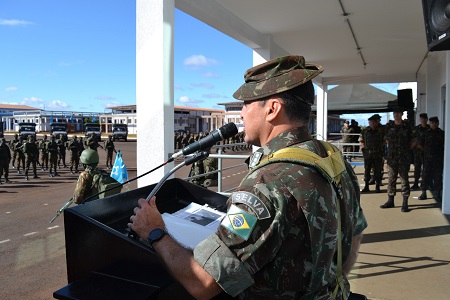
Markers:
{"x": 5, "y": 241}
{"x": 53, "y": 227}
{"x": 30, "y": 233}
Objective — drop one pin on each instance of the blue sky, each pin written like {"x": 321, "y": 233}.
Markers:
{"x": 77, "y": 56}
{"x": 74, "y": 55}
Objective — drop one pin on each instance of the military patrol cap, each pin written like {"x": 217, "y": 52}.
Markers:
{"x": 377, "y": 116}
{"x": 276, "y": 76}
{"x": 373, "y": 118}
{"x": 398, "y": 109}
{"x": 434, "y": 119}
{"x": 89, "y": 157}
{"x": 424, "y": 115}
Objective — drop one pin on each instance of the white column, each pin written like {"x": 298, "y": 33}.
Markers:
{"x": 322, "y": 112}
{"x": 446, "y": 175}
{"x": 154, "y": 86}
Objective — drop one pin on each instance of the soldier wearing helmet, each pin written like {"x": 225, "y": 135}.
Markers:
{"x": 43, "y": 147}
{"x": 31, "y": 152}
{"x": 109, "y": 148}
{"x": 84, "y": 188}
{"x": 12, "y": 146}
{"x": 75, "y": 151}
{"x": 53, "y": 156}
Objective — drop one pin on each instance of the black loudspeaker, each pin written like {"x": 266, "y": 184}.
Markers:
{"x": 437, "y": 24}
{"x": 405, "y": 98}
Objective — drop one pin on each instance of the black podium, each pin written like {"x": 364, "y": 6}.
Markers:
{"x": 104, "y": 263}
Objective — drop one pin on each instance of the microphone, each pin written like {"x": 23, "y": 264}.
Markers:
{"x": 210, "y": 140}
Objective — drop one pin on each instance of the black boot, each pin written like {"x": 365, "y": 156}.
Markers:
{"x": 389, "y": 203}
{"x": 366, "y": 188}
{"x": 405, "y": 204}
{"x": 423, "y": 196}
{"x": 377, "y": 187}
{"x": 415, "y": 186}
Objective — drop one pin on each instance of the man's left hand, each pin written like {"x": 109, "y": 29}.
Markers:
{"x": 146, "y": 218}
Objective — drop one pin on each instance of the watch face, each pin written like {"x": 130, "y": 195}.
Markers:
{"x": 155, "y": 235}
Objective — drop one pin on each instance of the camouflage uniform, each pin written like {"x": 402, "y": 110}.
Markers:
{"x": 5, "y": 158}
{"x": 18, "y": 147}
{"x": 373, "y": 140}
{"x": 61, "y": 151}
{"x": 109, "y": 148}
{"x": 398, "y": 139}
{"x": 433, "y": 163}
{"x": 43, "y": 144}
{"x": 53, "y": 156}
{"x": 75, "y": 150}
{"x": 12, "y": 146}
{"x": 419, "y": 139}
{"x": 347, "y": 138}
{"x": 31, "y": 151}
{"x": 85, "y": 186}
{"x": 92, "y": 142}
{"x": 290, "y": 243}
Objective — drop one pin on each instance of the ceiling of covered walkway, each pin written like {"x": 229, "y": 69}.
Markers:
{"x": 356, "y": 41}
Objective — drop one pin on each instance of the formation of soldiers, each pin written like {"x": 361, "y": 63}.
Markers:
{"x": 182, "y": 140}
{"x": 48, "y": 155}
{"x": 350, "y": 134}
{"x": 399, "y": 144}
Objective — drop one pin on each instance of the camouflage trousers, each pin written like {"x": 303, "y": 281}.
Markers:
{"x": 418, "y": 164}
{"x": 398, "y": 168}
{"x": 74, "y": 161}
{"x": 4, "y": 168}
{"x": 14, "y": 155}
{"x": 373, "y": 161}
{"x": 109, "y": 156}
{"x": 197, "y": 169}
{"x": 432, "y": 174}
{"x": 20, "y": 160}
{"x": 53, "y": 159}
{"x": 44, "y": 159}
{"x": 30, "y": 160}
{"x": 62, "y": 158}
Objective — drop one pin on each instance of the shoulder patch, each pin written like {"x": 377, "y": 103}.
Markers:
{"x": 239, "y": 222}
{"x": 255, "y": 204}
{"x": 254, "y": 160}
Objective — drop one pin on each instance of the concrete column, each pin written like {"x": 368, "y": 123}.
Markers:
{"x": 322, "y": 112}
{"x": 154, "y": 86}
{"x": 446, "y": 176}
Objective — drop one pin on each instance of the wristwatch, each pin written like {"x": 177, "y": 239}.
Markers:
{"x": 155, "y": 235}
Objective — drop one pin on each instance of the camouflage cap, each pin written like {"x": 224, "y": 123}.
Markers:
{"x": 424, "y": 115}
{"x": 434, "y": 119}
{"x": 276, "y": 76}
{"x": 377, "y": 116}
{"x": 398, "y": 109}
{"x": 373, "y": 118}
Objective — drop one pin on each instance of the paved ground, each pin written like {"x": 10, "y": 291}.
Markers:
{"x": 403, "y": 255}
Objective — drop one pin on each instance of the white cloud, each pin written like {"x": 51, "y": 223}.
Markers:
{"x": 112, "y": 104}
{"x": 187, "y": 100}
{"x": 203, "y": 85}
{"x": 13, "y": 22}
{"x": 10, "y": 103}
{"x": 58, "y": 104}
{"x": 196, "y": 61}
{"x": 32, "y": 101}
{"x": 11, "y": 89}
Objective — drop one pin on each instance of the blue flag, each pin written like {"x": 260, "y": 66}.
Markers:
{"x": 119, "y": 171}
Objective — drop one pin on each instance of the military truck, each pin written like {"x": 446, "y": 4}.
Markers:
{"x": 90, "y": 128}
{"x": 26, "y": 129}
{"x": 120, "y": 131}
{"x": 57, "y": 128}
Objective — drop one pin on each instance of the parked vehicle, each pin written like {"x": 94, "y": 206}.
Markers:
{"x": 120, "y": 131}
{"x": 90, "y": 128}
{"x": 26, "y": 129}
{"x": 57, "y": 128}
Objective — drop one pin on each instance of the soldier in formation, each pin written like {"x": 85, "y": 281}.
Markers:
{"x": 5, "y": 158}
{"x": 12, "y": 146}
{"x": 61, "y": 151}
{"x": 31, "y": 152}
{"x": 18, "y": 148}
{"x": 75, "y": 148}
{"x": 372, "y": 146}
{"x": 433, "y": 162}
{"x": 398, "y": 136}
{"x": 419, "y": 132}
{"x": 43, "y": 148}
{"x": 92, "y": 142}
{"x": 110, "y": 149}
{"x": 346, "y": 131}
{"x": 53, "y": 156}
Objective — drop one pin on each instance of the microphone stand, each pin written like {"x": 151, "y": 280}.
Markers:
{"x": 199, "y": 156}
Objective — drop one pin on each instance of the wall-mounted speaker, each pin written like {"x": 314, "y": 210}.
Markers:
{"x": 405, "y": 98}
{"x": 437, "y": 24}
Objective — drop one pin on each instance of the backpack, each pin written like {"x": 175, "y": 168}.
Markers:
{"x": 103, "y": 182}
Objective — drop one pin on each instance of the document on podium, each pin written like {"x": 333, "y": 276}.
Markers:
{"x": 192, "y": 224}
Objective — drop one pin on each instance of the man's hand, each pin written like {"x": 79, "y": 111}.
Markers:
{"x": 146, "y": 218}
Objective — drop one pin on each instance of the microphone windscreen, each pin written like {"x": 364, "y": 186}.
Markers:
{"x": 228, "y": 130}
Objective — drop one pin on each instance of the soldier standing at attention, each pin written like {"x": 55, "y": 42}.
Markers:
{"x": 418, "y": 141}
{"x": 31, "y": 151}
{"x": 74, "y": 148}
{"x": 18, "y": 147}
{"x": 280, "y": 237}
{"x": 433, "y": 161}
{"x": 347, "y": 138}
{"x": 372, "y": 145}
{"x": 109, "y": 148}
{"x": 53, "y": 156}
{"x": 398, "y": 136}
{"x": 5, "y": 158}
{"x": 12, "y": 146}
{"x": 61, "y": 151}
{"x": 92, "y": 142}
{"x": 43, "y": 144}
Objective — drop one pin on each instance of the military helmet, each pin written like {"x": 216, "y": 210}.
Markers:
{"x": 89, "y": 157}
